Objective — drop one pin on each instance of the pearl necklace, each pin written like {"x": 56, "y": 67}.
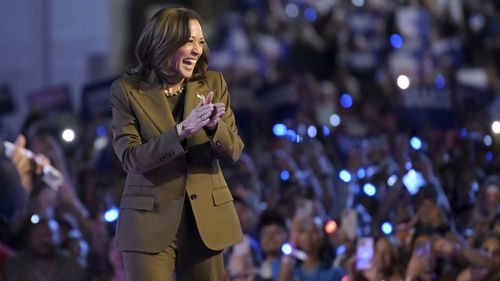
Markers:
{"x": 174, "y": 93}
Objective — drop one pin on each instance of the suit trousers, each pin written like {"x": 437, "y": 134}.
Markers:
{"x": 187, "y": 257}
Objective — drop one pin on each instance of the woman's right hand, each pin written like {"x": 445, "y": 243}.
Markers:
{"x": 196, "y": 120}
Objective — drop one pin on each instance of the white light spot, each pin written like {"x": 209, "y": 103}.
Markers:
{"x": 68, "y": 135}
{"x": 403, "y": 82}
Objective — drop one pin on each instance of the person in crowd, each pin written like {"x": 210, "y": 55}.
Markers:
{"x": 434, "y": 256}
{"x": 423, "y": 260}
{"x": 16, "y": 175}
{"x": 243, "y": 258}
{"x": 491, "y": 244}
{"x": 172, "y": 123}
{"x": 308, "y": 236}
{"x": 43, "y": 260}
{"x": 387, "y": 263}
{"x": 273, "y": 233}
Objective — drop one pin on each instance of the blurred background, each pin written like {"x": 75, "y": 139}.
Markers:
{"x": 369, "y": 109}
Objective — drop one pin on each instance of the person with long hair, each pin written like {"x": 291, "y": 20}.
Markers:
{"x": 172, "y": 123}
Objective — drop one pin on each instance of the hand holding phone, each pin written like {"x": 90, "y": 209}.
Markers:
{"x": 51, "y": 176}
{"x": 364, "y": 253}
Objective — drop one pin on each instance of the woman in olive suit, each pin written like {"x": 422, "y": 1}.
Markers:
{"x": 172, "y": 124}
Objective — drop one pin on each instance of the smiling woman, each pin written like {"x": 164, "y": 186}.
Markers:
{"x": 172, "y": 123}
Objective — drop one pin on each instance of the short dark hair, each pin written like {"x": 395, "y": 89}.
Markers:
{"x": 271, "y": 216}
{"x": 165, "y": 32}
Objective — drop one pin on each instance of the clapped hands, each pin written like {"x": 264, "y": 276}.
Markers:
{"x": 218, "y": 110}
{"x": 205, "y": 115}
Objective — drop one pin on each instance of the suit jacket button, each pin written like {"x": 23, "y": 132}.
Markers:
{"x": 193, "y": 196}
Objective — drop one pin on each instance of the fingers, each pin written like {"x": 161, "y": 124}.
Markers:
{"x": 198, "y": 118}
{"x": 209, "y": 97}
{"x": 205, "y": 100}
{"x": 22, "y": 163}
{"x": 19, "y": 158}
{"x": 205, "y": 111}
{"x": 205, "y": 114}
{"x": 20, "y": 141}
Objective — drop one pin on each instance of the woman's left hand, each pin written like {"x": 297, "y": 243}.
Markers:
{"x": 218, "y": 111}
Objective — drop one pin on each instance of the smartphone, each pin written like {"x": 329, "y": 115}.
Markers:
{"x": 364, "y": 253}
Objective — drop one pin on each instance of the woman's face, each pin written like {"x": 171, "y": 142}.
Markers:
{"x": 431, "y": 214}
{"x": 272, "y": 236}
{"x": 187, "y": 56}
{"x": 310, "y": 236}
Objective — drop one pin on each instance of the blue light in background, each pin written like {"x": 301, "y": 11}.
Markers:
{"x": 279, "y": 129}
{"x": 489, "y": 156}
{"x": 440, "y": 82}
{"x": 369, "y": 189}
{"x": 413, "y": 180}
{"x": 326, "y": 131}
{"x": 340, "y": 250}
{"x": 286, "y": 249}
{"x": 345, "y": 176}
{"x": 408, "y": 165}
{"x": 335, "y": 120}
{"x": 463, "y": 133}
{"x": 391, "y": 181}
{"x": 358, "y": 3}
{"x": 396, "y": 41}
{"x": 111, "y": 215}
{"x": 284, "y": 175}
{"x": 292, "y": 135}
{"x": 416, "y": 143}
{"x": 291, "y": 10}
{"x": 474, "y": 186}
{"x": 35, "y": 219}
{"x": 310, "y": 14}
{"x": 361, "y": 173}
{"x": 100, "y": 131}
{"x": 488, "y": 141}
{"x": 346, "y": 100}
{"x": 386, "y": 228}
{"x": 370, "y": 171}
{"x": 312, "y": 131}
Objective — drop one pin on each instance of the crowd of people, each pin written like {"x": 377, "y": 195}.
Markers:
{"x": 347, "y": 173}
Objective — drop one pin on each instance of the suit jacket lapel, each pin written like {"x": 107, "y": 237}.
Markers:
{"x": 153, "y": 102}
{"x": 151, "y": 99}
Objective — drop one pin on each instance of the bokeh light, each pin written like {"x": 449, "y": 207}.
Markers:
{"x": 369, "y": 189}
{"x": 403, "y": 82}
{"x": 396, "y": 41}
{"x": 495, "y": 127}
{"x": 68, "y": 135}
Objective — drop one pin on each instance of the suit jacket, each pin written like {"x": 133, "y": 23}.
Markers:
{"x": 161, "y": 170}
